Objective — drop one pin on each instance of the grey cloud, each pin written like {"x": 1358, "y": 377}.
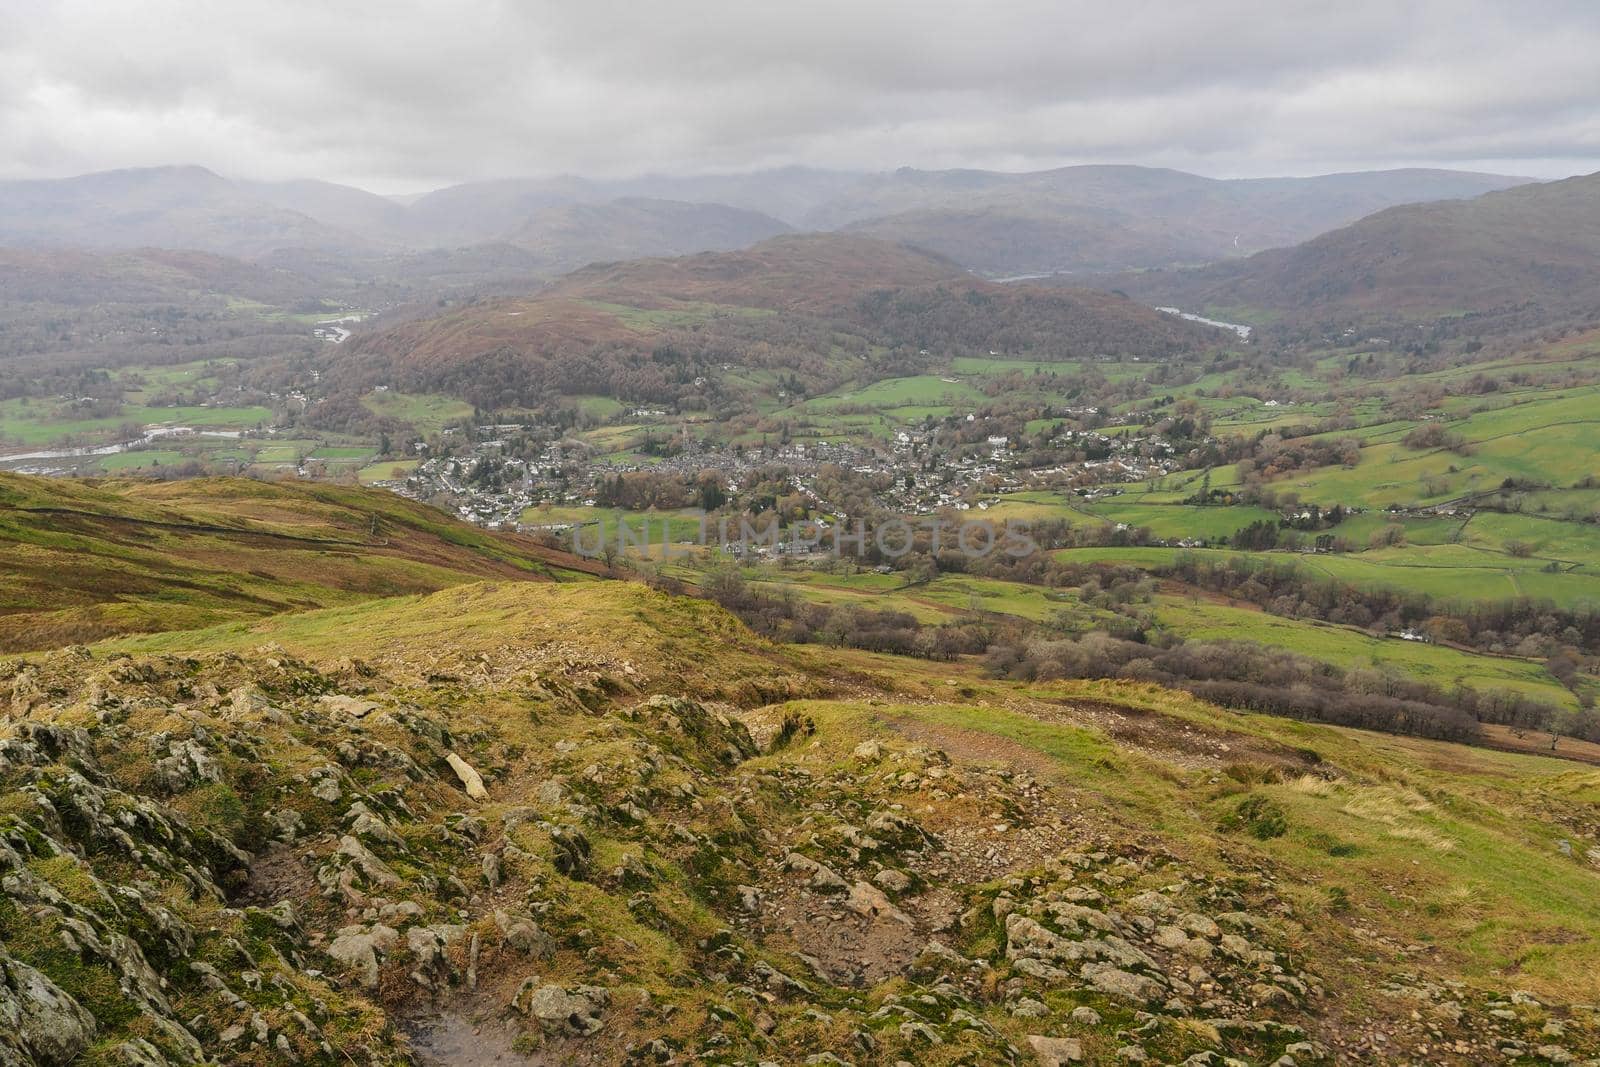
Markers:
{"x": 405, "y": 95}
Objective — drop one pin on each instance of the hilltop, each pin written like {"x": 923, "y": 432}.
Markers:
{"x": 166, "y": 207}
{"x": 61, "y": 307}
{"x": 141, "y": 276}
{"x": 806, "y": 272}
{"x": 1066, "y": 219}
{"x": 608, "y": 825}
{"x": 86, "y": 560}
{"x": 822, "y": 309}
{"x": 1096, "y": 217}
{"x": 573, "y": 235}
{"x": 1533, "y": 246}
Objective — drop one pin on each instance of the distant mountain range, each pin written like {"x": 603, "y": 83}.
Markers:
{"x": 1074, "y": 219}
{"x": 160, "y": 207}
{"x": 1105, "y": 217}
{"x": 1532, "y": 245}
{"x": 64, "y": 278}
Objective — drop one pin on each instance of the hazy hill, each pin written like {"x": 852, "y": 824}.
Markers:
{"x": 803, "y": 271}
{"x": 61, "y": 307}
{"x": 1002, "y": 241}
{"x": 820, "y": 309}
{"x": 140, "y": 276}
{"x": 1537, "y": 244}
{"x": 375, "y": 218}
{"x": 485, "y": 210}
{"x": 86, "y": 560}
{"x": 488, "y": 210}
{"x": 1099, "y": 217}
{"x": 569, "y": 236}
{"x": 1070, "y": 219}
{"x": 164, "y": 207}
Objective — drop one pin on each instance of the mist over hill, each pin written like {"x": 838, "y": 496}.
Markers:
{"x": 1071, "y": 219}
{"x": 1535, "y": 245}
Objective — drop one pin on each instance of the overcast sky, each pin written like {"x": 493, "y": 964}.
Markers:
{"x": 401, "y": 96}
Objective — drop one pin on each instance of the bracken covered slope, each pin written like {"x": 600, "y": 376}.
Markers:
{"x": 819, "y": 308}
{"x": 80, "y": 561}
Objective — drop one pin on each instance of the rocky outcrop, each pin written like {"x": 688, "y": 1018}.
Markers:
{"x": 38, "y": 1022}
{"x": 247, "y": 858}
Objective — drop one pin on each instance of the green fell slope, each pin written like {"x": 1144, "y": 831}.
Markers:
{"x": 606, "y": 825}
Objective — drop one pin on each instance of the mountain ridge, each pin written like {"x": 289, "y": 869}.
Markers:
{"x": 1093, "y": 217}
{"x": 1537, "y": 244}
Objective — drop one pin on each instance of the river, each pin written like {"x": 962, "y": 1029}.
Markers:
{"x": 151, "y": 434}
{"x": 1238, "y": 328}
{"x": 333, "y": 331}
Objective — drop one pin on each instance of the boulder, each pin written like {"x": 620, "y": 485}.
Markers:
{"x": 571, "y": 1011}
{"x": 358, "y": 948}
{"x": 819, "y": 876}
{"x": 369, "y": 826}
{"x": 346, "y": 705}
{"x": 43, "y": 1023}
{"x": 1055, "y": 1051}
{"x": 1120, "y": 983}
{"x": 521, "y": 934}
{"x": 868, "y": 900}
{"x": 868, "y": 750}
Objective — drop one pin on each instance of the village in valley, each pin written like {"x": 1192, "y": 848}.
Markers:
{"x": 499, "y": 475}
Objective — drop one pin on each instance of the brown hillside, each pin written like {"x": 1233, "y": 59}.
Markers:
{"x": 810, "y": 306}
{"x": 803, "y": 272}
{"x": 1535, "y": 244}
{"x": 89, "y": 560}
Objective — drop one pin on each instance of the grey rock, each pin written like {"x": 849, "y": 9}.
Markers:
{"x": 818, "y": 875}
{"x": 1119, "y": 983}
{"x": 358, "y": 948}
{"x": 1055, "y": 1051}
{"x": 1028, "y": 1008}
{"x": 42, "y": 1023}
{"x": 575, "y": 1011}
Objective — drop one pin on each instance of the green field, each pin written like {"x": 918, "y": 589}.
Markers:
{"x": 132, "y": 461}
{"x": 600, "y": 407}
{"x": 35, "y": 422}
{"x": 1343, "y": 646}
{"x": 1550, "y": 438}
{"x": 679, "y": 526}
{"x": 390, "y": 470}
{"x": 907, "y": 398}
{"x": 679, "y": 313}
{"x": 285, "y": 452}
{"x": 428, "y": 414}
{"x": 1444, "y": 572}
{"x": 946, "y": 598}
{"x": 342, "y": 453}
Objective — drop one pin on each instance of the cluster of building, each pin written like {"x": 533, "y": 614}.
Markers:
{"x": 913, "y": 472}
